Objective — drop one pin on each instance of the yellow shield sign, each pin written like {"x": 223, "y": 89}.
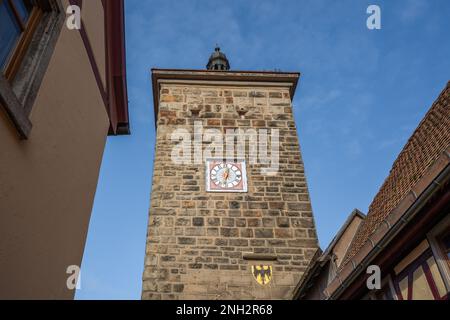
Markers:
{"x": 262, "y": 274}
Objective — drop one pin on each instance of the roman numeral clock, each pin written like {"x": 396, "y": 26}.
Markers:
{"x": 226, "y": 176}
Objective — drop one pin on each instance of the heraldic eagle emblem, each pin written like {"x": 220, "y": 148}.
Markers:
{"x": 262, "y": 274}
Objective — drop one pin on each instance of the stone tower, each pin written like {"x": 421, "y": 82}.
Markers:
{"x": 224, "y": 224}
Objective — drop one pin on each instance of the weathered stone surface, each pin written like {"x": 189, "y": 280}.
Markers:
{"x": 197, "y": 240}
{"x": 198, "y": 221}
{"x": 263, "y": 233}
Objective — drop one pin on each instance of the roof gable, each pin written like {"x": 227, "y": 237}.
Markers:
{"x": 430, "y": 139}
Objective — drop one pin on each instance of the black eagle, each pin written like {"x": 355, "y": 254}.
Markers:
{"x": 264, "y": 272}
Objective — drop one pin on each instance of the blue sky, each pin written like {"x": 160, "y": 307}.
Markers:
{"x": 361, "y": 95}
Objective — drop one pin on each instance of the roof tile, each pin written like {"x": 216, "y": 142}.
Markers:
{"x": 429, "y": 140}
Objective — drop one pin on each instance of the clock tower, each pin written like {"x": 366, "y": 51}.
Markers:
{"x": 230, "y": 214}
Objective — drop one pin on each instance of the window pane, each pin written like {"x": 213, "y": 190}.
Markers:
{"x": 9, "y": 32}
{"x": 388, "y": 293}
{"x": 23, "y": 8}
{"x": 421, "y": 289}
{"x": 437, "y": 277}
{"x": 384, "y": 294}
{"x": 446, "y": 244}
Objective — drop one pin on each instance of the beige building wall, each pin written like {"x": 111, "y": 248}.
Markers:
{"x": 48, "y": 182}
{"x": 341, "y": 247}
{"x": 93, "y": 17}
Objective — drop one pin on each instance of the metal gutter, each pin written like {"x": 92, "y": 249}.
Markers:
{"x": 354, "y": 268}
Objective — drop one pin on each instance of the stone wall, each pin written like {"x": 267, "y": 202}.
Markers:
{"x": 197, "y": 240}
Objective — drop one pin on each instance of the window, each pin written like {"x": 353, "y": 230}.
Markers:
{"x": 439, "y": 238}
{"x": 28, "y": 33}
{"x": 444, "y": 242}
{"x": 18, "y": 19}
{"x": 387, "y": 291}
{"x": 9, "y": 31}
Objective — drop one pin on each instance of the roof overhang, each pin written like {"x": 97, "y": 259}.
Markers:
{"x": 117, "y": 94}
{"x": 314, "y": 269}
{"x": 435, "y": 180}
{"x": 211, "y": 77}
{"x": 353, "y": 215}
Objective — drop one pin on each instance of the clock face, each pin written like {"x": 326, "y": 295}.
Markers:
{"x": 226, "y": 176}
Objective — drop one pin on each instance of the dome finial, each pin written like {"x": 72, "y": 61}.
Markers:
{"x": 218, "y": 60}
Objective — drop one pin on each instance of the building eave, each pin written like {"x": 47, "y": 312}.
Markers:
{"x": 355, "y": 213}
{"x": 116, "y": 68}
{"x": 436, "y": 176}
{"x": 213, "y": 76}
{"x": 313, "y": 270}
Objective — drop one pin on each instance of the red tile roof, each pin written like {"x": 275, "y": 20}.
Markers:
{"x": 428, "y": 142}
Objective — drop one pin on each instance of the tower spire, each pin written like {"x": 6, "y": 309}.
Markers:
{"x": 218, "y": 60}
